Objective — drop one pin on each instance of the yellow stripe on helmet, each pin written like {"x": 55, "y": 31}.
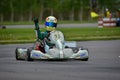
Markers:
{"x": 50, "y": 28}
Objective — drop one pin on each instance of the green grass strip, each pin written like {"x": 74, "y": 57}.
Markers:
{"x": 27, "y": 35}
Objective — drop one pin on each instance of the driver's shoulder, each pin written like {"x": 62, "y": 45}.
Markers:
{"x": 45, "y": 33}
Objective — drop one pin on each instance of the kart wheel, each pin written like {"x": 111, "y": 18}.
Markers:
{"x": 28, "y": 54}
{"x": 85, "y": 59}
{"x": 17, "y": 54}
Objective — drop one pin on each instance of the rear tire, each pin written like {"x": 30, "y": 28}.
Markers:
{"x": 28, "y": 54}
{"x": 85, "y": 59}
{"x": 17, "y": 54}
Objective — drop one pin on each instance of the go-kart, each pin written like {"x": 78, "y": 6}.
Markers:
{"x": 59, "y": 52}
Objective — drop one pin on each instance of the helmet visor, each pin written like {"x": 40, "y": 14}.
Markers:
{"x": 51, "y": 24}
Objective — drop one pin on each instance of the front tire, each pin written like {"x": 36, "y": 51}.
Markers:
{"x": 28, "y": 54}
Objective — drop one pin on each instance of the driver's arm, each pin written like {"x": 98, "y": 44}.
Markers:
{"x": 38, "y": 32}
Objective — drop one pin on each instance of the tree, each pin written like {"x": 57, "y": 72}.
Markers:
{"x": 3, "y": 9}
{"x": 20, "y": 10}
{"x": 30, "y": 7}
{"x": 41, "y": 9}
{"x": 11, "y": 3}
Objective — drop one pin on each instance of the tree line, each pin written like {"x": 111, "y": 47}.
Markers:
{"x": 73, "y": 10}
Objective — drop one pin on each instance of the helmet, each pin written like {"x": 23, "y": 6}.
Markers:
{"x": 106, "y": 9}
{"x": 51, "y": 23}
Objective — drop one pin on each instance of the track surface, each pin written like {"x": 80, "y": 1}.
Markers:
{"x": 104, "y": 64}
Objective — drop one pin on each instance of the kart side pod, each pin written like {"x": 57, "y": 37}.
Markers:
{"x": 81, "y": 54}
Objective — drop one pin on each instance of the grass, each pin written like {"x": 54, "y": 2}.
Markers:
{"x": 25, "y": 35}
{"x": 79, "y": 34}
{"x": 17, "y": 23}
{"x": 42, "y": 22}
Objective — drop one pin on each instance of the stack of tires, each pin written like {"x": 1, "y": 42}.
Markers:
{"x": 109, "y": 22}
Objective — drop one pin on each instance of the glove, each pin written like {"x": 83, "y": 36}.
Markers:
{"x": 35, "y": 20}
{"x": 36, "y": 23}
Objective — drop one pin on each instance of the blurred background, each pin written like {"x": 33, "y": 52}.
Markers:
{"x": 64, "y": 10}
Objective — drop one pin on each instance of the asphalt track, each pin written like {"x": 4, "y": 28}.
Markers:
{"x": 104, "y": 64}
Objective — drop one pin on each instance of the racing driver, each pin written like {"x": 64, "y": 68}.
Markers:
{"x": 43, "y": 37}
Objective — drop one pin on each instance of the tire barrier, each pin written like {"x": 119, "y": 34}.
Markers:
{"x": 106, "y": 22}
{"x": 100, "y": 23}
